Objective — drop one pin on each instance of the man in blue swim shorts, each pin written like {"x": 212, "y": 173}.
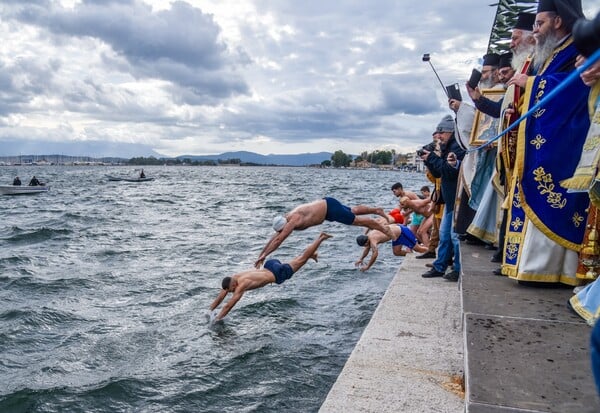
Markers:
{"x": 315, "y": 213}
{"x": 403, "y": 237}
{"x": 273, "y": 272}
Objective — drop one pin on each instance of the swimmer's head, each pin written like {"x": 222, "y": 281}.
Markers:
{"x": 362, "y": 240}
{"x": 279, "y": 222}
{"x": 225, "y": 283}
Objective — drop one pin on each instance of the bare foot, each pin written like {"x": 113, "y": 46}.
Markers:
{"x": 324, "y": 235}
{"x": 381, "y": 212}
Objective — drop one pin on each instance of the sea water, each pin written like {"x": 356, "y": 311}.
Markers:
{"x": 105, "y": 288}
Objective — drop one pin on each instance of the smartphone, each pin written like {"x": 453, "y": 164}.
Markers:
{"x": 474, "y": 79}
{"x": 453, "y": 92}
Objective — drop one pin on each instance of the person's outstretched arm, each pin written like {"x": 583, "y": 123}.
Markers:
{"x": 366, "y": 250}
{"x": 229, "y": 305}
{"x": 274, "y": 243}
{"x": 374, "y": 254}
{"x": 219, "y": 299}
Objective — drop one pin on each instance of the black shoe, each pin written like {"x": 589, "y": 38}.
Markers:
{"x": 452, "y": 276}
{"x": 497, "y": 271}
{"x": 428, "y": 254}
{"x": 432, "y": 273}
{"x": 429, "y": 265}
{"x": 496, "y": 258}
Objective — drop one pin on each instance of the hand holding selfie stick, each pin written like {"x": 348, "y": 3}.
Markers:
{"x": 426, "y": 58}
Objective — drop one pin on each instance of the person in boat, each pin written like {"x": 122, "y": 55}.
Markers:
{"x": 403, "y": 237}
{"x": 34, "y": 182}
{"x": 315, "y": 213}
{"x": 142, "y": 174}
{"x": 16, "y": 181}
{"x": 273, "y": 272}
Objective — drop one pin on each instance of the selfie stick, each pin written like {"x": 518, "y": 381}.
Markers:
{"x": 426, "y": 58}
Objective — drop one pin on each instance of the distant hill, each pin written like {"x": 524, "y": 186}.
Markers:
{"x": 95, "y": 149}
{"x": 301, "y": 159}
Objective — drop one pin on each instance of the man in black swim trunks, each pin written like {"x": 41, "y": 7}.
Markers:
{"x": 315, "y": 213}
{"x": 273, "y": 272}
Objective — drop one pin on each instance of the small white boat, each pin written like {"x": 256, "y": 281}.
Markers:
{"x": 128, "y": 179}
{"x": 137, "y": 179}
{"x": 22, "y": 189}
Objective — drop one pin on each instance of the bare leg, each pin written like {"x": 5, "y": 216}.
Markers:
{"x": 420, "y": 248}
{"x": 309, "y": 252}
{"x": 365, "y": 210}
{"x": 423, "y": 231}
{"x": 373, "y": 224}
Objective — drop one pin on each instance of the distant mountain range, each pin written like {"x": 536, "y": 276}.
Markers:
{"x": 301, "y": 159}
{"x": 94, "y": 149}
{"x": 30, "y": 151}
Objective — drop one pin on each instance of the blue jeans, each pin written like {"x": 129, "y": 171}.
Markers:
{"x": 449, "y": 244}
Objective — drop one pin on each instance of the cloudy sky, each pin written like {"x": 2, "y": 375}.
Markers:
{"x": 205, "y": 77}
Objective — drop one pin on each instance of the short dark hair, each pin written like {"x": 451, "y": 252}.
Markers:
{"x": 397, "y": 185}
{"x": 426, "y": 188}
{"x": 362, "y": 240}
{"x": 225, "y": 283}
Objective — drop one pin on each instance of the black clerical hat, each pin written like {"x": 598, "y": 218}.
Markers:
{"x": 491, "y": 59}
{"x": 568, "y": 10}
{"x": 505, "y": 60}
{"x": 525, "y": 21}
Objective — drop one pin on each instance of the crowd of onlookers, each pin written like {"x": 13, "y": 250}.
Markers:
{"x": 517, "y": 172}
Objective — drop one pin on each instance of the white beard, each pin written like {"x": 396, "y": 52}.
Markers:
{"x": 520, "y": 56}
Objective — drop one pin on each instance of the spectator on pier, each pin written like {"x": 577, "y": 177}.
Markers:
{"x": 446, "y": 167}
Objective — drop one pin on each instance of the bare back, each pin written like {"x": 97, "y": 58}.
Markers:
{"x": 379, "y": 237}
{"x": 252, "y": 279}
{"x": 308, "y": 215}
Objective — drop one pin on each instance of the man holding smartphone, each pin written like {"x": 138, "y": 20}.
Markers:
{"x": 446, "y": 167}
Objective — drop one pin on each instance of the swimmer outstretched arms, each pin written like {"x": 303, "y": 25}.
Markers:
{"x": 273, "y": 272}
{"x": 315, "y": 213}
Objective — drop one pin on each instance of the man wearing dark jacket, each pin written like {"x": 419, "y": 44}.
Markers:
{"x": 446, "y": 167}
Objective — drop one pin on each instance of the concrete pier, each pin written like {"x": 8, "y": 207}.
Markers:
{"x": 524, "y": 349}
{"x": 410, "y": 356}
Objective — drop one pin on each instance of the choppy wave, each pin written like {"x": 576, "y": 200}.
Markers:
{"x": 104, "y": 290}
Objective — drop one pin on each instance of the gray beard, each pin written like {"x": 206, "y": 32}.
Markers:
{"x": 544, "y": 48}
{"x": 486, "y": 84}
{"x": 519, "y": 58}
